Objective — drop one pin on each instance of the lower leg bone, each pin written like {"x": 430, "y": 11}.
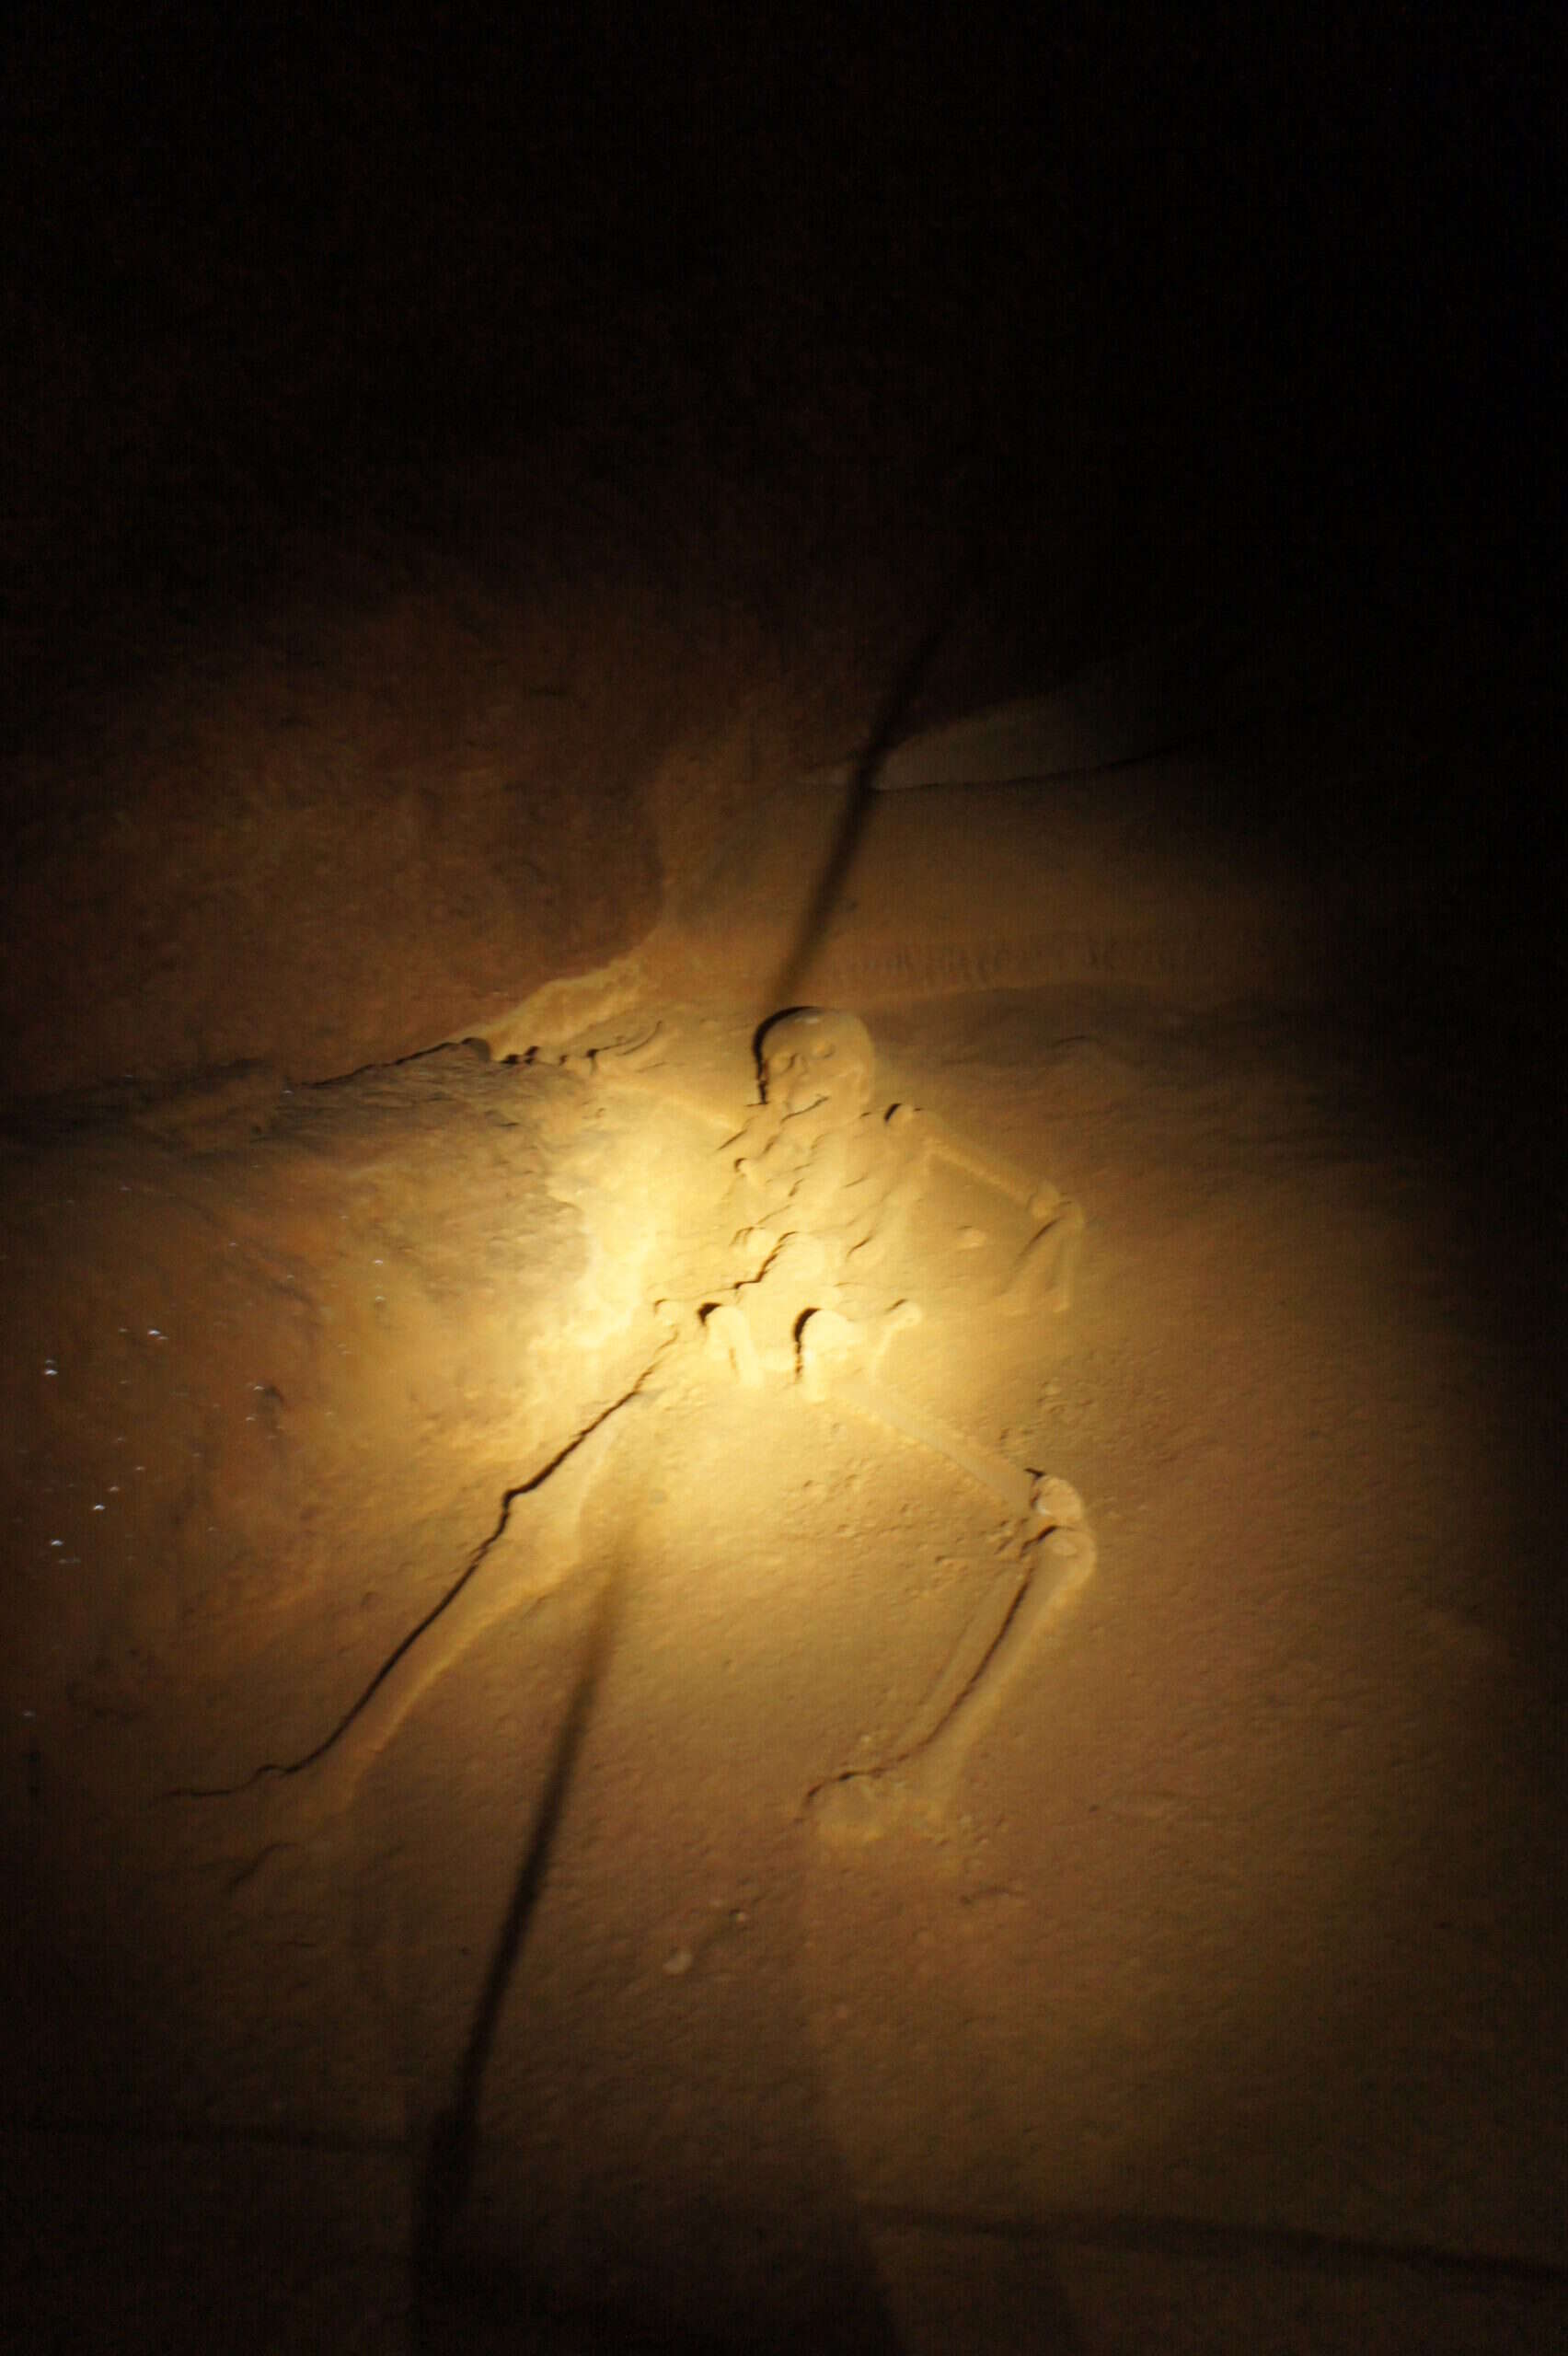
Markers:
{"x": 919, "y": 1783}
{"x": 1064, "y": 1560}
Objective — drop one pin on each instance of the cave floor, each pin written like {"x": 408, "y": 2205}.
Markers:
{"x": 1222, "y": 2009}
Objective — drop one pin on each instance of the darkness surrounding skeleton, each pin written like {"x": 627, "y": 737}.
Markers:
{"x": 476, "y": 517}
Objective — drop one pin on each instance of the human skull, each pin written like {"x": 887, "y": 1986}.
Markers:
{"x": 814, "y": 1056}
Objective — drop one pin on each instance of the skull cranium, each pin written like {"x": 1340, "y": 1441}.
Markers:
{"x": 815, "y": 1057}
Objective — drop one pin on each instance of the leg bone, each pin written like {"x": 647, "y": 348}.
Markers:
{"x": 919, "y": 1783}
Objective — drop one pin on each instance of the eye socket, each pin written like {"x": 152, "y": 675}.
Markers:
{"x": 824, "y": 1049}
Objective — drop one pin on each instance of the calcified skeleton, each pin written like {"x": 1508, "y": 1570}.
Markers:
{"x": 831, "y": 1184}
